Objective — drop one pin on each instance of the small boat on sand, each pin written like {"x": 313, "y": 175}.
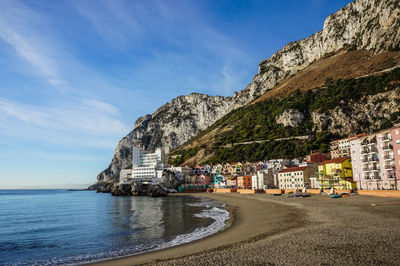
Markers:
{"x": 277, "y": 194}
{"x": 336, "y": 196}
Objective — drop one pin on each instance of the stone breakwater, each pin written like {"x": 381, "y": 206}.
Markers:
{"x": 135, "y": 189}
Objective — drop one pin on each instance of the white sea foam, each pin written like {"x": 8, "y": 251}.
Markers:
{"x": 220, "y": 216}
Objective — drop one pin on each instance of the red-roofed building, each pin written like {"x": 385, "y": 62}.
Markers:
{"x": 316, "y": 157}
{"x": 296, "y": 177}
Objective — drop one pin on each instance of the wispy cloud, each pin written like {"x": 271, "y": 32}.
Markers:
{"x": 88, "y": 123}
{"x": 16, "y": 22}
{"x": 111, "y": 20}
{"x": 197, "y": 56}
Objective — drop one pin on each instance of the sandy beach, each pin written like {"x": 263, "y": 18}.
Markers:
{"x": 318, "y": 230}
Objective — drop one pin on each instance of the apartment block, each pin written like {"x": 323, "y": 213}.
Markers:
{"x": 341, "y": 147}
{"x": 374, "y": 160}
{"x": 296, "y": 177}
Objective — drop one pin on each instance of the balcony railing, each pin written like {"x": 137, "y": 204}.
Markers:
{"x": 365, "y": 169}
{"x": 364, "y": 151}
{"x": 389, "y": 166}
{"x": 388, "y": 157}
{"x": 387, "y": 138}
{"x": 388, "y": 147}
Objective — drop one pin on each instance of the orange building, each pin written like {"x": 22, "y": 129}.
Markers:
{"x": 244, "y": 181}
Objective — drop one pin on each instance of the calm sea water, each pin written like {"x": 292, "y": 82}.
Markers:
{"x": 46, "y": 227}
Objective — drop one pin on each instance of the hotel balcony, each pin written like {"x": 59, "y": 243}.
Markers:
{"x": 373, "y": 142}
{"x": 387, "y": 147}
{"x": 388, "y": 157}
{"x": 372, "y": 151}
{"x": 365, "y": 151}
{"x": 365, "y": 169}
{"x": 387, "y": 138}
{"x": 375, "y": 176}
{"x": 389, "y": 166}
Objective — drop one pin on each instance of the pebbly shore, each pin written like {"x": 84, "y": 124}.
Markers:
{"x": 357, "y": 230}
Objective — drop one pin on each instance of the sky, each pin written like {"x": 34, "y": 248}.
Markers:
{"x": 75, "y": 75}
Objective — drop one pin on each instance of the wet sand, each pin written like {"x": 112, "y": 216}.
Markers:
{"x": 357, "y": 230}
{"x": 250, "y": 220}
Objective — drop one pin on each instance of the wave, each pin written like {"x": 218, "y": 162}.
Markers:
{"x": 211, "y": 210}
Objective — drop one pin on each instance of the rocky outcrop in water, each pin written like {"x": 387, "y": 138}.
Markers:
{"x": 362, "y": 24}
{"x": 138, "y": 189}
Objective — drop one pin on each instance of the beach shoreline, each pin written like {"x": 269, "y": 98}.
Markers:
{"x": 250, "y": 220}
{"x": 357, "y": 230}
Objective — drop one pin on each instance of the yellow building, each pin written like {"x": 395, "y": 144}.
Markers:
{"x": 237, "y": 168}
{"x": 336, "y": 173}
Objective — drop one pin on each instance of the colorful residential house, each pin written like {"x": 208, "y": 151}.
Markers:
{"x": 249, "y": 168}
{"x": 237, "y": 168}
{"x": 253, "y": 167}
{"x": 231, "y": 182}
{"x": 336, "y": 173}
{"x": 244, "y": 182}
{"x": 227, "y": 169}
{"x": 218, "y": 180}
{"x": 217, "y": 169}
{"x": 203, "y": 180}
{"x": 259, "y": 165}
{"x": 197, "y": 170}
{"x": 206, "y": 169}
{"x": 296, "y": 177}
{"x": 375, "y": 160}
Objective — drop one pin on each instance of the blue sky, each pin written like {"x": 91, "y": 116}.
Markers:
{"x": 75, "y": 75}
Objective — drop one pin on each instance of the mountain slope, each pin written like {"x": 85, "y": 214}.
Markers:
{"x": 363, "y": 24}
{"x": 291, "y": 126}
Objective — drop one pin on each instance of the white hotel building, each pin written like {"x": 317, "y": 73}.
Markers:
{"x": 147, "y": 167}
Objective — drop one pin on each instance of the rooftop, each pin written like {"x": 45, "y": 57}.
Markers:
{"x": 335, "y": 160}
{"x": 294, "y": 169}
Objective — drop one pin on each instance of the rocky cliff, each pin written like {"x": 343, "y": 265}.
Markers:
{"x": 368, "y": 114}
{"x": 363, "y": 24}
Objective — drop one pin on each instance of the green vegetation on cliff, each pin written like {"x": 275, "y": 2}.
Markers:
{"x": 258, "y": 122}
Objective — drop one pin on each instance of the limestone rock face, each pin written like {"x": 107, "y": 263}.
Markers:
{"x": 363, "y": 116}
{"x": 362, "y": 24}
{"x": 290, "y": 118}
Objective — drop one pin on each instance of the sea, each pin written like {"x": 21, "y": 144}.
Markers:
{"x": 61, "y": 227}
